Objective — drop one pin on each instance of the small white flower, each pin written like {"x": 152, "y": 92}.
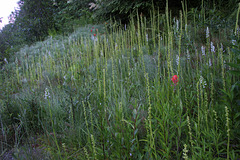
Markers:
{"x": 207, "y": 32}
{"x": 222, "y": 48}
{"x": 210, "y": 62}
{"x": 147, "y": 37}
{"x": 212, "y": 47}
{"x": 177, "y": 22}
{"x": 69, "y": 1}
{"x": 188, "y": 55}
{"x": 93, "y": 6}
{"x": 47, "y": 94}
{"x": 236, "y": 32}
{"x": 49, "y": 53}
{"x": 92, "y": 37}
{"x": 24, "y": 80}
{"x": 234, "y": 42}
{"x": 65, "y": 78}
{"x": 203, "y": 50}
{"x": 5, "y": 59}
{"x": 177, "y": 59}
{"x": 202, "y": 81}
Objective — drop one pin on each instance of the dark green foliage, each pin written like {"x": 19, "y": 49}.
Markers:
{"x": 122, "y": 9}
{"x": 236, "y": 66}
{"x": 69, "y": 14}
{"x": 28, "y": 24}
{"x": 33, "y": 115}
{"x": 35, "y": 18}
{"x": 6, "y": 40}
{"x": 231, "y": 95}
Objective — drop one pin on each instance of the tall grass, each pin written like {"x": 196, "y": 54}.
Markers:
{"x": 110, "y": 96}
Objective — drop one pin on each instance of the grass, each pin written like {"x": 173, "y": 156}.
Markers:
{"x": 111, "y": 96}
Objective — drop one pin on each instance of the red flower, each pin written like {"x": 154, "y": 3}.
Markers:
{"x": 94, "y": 34}
{"x": 91, "y": 30}
{"x": 92, "y": 27}
{"x": 175, "y": 79}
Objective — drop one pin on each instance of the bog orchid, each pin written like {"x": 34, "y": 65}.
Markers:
{"x": 210, "y": 62}
{"x": 47, "y": 94}
{"x": 203, "y": 50}
{"x": 5, "y": 59}
{"x": 202, "y": 82}
{"x": 212, "y": 47}
{"x": 207, "y": 32}
{"x": 234, "y": 42}
{"x": 177, "y": 22}
{"x": 188, "y": 55}
{"x": 177, "y": 59}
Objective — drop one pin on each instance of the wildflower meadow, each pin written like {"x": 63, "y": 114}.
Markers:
{"x": 166, "y": 87}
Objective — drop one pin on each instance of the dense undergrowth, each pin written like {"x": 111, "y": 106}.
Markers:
{"x": 159, "y": 88}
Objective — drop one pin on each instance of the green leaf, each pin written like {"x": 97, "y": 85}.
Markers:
{"x": 236, "y": 73}
{"x": 234, "y": 65}
{"x": 136, "y": 131}
{"x": 236, "y": 51}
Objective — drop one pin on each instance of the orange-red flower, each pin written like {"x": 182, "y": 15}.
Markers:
{"x": 91, "y": 30}
{"x": 174, "y": 79}
{"x": 94, "y": 34}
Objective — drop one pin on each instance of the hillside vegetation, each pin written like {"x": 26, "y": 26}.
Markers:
{"x": 163, "y": 87}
